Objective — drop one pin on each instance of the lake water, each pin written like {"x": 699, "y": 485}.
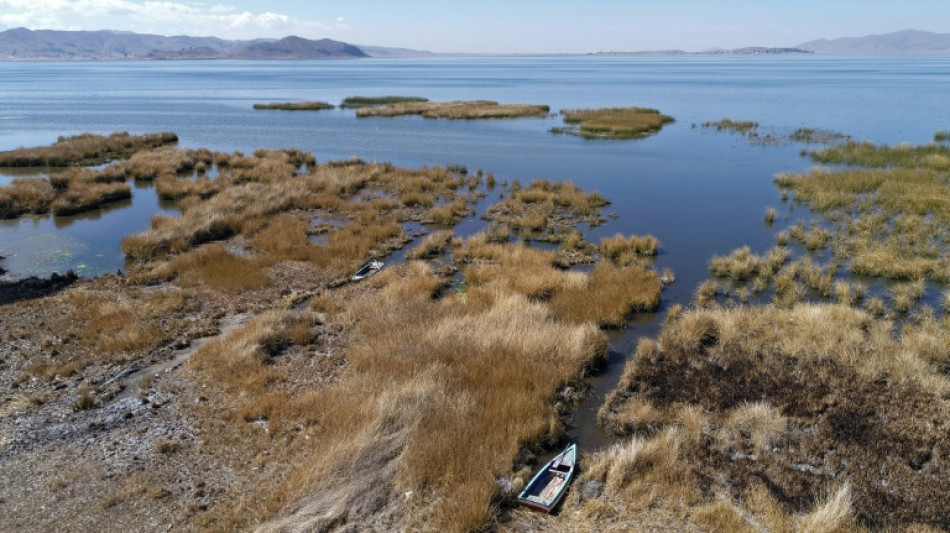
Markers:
{"x": 700, "y": 192}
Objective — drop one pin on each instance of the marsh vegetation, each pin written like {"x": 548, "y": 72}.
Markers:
{"x": 748, "y": 128}
{"x": 613, "y": 123}
{"x": 356, "y": 102}
{"x": 295, "y": 106}
{"x": 84, "y": 150}
{"x": 826, "y": 430}
{"x": 458, "y": 110}
{"x": 399, "y": 372}
{"x": 317, "y": 403}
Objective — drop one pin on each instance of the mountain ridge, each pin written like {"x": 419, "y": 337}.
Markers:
{"x": 25, "y": 44}
{"x": 105, "y": 45}
{"x": 907, "y": 41}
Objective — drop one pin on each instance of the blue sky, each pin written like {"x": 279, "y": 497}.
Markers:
{"x": 489, "y": 26}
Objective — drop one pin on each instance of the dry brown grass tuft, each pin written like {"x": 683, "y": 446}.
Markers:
{"x": 26, "y": 195}
{"x": 625, "y": 249}
{"x": 170, "y": 187}
{"x": 212, "y": 267}
{"x": 285, "y": 237}
{"x": 433, "y": 245}
{"x": 609, "y": 295}
{"x": 833, "y": 514}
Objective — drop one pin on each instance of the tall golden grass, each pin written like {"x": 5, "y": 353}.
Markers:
{"x": 212, "y": 267}
{"x": 607, "y": 296}
{"x": 26, "y": 195}
{"x": 437, "y": 405}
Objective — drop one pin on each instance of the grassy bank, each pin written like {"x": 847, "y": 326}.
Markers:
{"x": 458, "y": 110}
{"x": 613, "y": 123}
{"x": 83, "y": 150}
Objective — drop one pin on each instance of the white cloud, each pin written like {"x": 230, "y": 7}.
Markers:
{"x": 162, "y": 17}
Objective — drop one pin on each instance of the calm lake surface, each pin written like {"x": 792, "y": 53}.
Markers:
{"x": 700, "y": 192}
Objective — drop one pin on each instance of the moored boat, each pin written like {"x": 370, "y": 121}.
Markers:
{"x": 549, "y": 485}
{"x": 367, "y": 270}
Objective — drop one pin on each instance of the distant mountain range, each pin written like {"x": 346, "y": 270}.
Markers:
{"x": 54, "y": 45}
{"x": 901, "y": 42}
{"x": 24, "y": 44}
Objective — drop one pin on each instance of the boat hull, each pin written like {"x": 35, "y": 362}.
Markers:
{"x": 549, "y": 485}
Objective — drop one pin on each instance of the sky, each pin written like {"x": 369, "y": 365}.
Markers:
{"x": 495, "y": 26}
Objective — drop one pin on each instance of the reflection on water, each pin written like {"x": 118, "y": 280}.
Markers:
{"x": 63, "y": 222}
{"x": 86, "y": 243}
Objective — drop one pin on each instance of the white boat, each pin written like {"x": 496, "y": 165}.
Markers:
{"x": 367, "y": 270}
{"x": 549, "y": 485}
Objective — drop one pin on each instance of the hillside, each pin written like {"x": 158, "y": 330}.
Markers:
{"x": 298, "y": 48}
{"x": 901, "y": 42}
{"x": 24, "y": 44}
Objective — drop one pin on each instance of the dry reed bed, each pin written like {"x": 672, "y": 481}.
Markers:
{"x": 263, "y": 201}
{"x": 613, "y": 123}
{"x": 829, "y": 398}
{"x": 549, "y": 212}
{"x": 606, "y": 297}
{"x": 70, "y": 192}
{"x": 433, "y": 408}
{"x": 81, "y": 189}
{"x": 85, "y": 149}
{"x": 456, "y": 110}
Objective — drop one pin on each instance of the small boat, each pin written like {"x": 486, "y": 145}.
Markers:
{"x": 549, "y": 485}
{"x": 367, "y": 270}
